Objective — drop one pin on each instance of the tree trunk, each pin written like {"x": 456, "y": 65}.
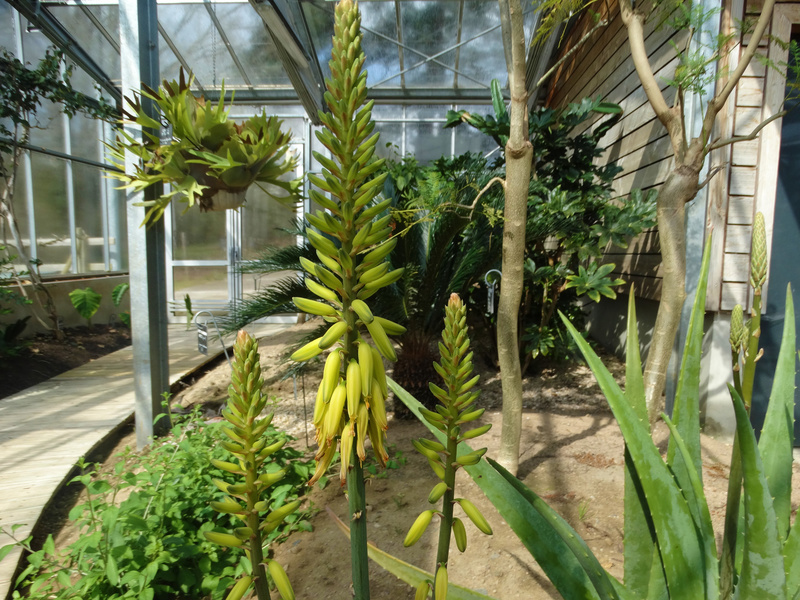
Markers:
{"x": 519, "y": 154}
{"x": 680, "y": 187}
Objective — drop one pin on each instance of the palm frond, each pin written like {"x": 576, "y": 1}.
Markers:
{"x": 275, "y": 259}
{"x": 271, "y": 301}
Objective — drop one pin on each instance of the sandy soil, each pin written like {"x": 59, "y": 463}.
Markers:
{"x": 571, "y": 455}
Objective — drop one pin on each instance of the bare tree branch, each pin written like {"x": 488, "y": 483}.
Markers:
{"x": 710, "y": 176}
{"x": 492, "y": 181}
{"x": 718, "y": 101}
{"x": 573, "y": 50}
{"x": 634, "y": 22}
{"x": 750, "y": 136}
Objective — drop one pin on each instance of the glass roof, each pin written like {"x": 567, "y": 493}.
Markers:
{"x": 272, "y": 50}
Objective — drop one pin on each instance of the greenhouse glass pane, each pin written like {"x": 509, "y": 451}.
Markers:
{"x": 82, "y": 82}
{"x": 387, "y": 111}
{"x": 416, "y": 112}
{"x": 48, "y": 131}
{"x": 186, "y": 25}
{"x": 200, "y": 283}
{"x": 168, "y": 64}
{"x": 198, "y": 235}
{"x": 482, "y": 58}
{"x": 117, "y": 229}
{"x": 383, "y": 62}
{"x": 469, "y": 139}
{"x": 427, "y": 141}
{"x": 379, "y": 24}
{"x": 87, "y": 183}
{"x": 52, "y": 217}
{"x": 264, "y": 221}
{"x": 423, "y": 23}
{"x": 89, "y": 37}
{"x": 20, "y": 210}
{"x": 253, "y": 45}
{"x": 8, "y": 38}
{"x": 108, "y": 15}
{"x": 85, "y": 138}
{"x": 319, "y": 19}
{"x": 390, "y": 142}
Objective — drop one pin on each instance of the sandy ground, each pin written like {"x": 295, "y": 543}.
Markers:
{"x": 571, "y": 454}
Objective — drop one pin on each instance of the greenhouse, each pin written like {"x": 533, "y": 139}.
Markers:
{"x": 273, "y": 273}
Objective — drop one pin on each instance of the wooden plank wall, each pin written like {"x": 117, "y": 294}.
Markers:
{"x": 749, "y": 183}
{"x": 602, "y": 67}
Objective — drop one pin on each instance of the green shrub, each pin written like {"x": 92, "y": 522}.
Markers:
{"x": 151, "y": 544}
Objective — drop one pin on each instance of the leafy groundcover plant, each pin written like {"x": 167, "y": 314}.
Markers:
{"x": 151, "y": 544}
{"x": 670, "y": 545}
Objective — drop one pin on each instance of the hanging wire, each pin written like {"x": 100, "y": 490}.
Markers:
{"x": 214, "y": 47}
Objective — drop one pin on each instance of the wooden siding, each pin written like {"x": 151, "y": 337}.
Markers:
{"x": 638, "y": 143}
{"x": 602, "y": 67}
{"x": 748, "y": 184}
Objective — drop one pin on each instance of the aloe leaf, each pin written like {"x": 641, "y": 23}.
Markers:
{"x": 777, "y": 436}
{"x": 639, "y": 543}
{"x": 548, "y": 517}
{"x": 404, "y": 571}
{"x": 791, "y": 557}
{"x": 680, "y": 549}
{"x": 696, "y": 496}
{"x": 634, "y": 382}
{"x": 539, "y": 528}
{"x": 686, "y": 413}
{"x": 762, "y": 575}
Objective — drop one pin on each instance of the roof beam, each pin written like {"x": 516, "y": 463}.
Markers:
{"x": 383, "y": 95}
{"x": 56, "y": 33}
{"x": 286, "y": 24}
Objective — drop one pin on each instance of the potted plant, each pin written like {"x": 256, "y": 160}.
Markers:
{"x": 209, "y": 160}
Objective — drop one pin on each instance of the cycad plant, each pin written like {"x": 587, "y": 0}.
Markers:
{"x": 247, "y": 442}
{"x": 351, "y": 245}
{"x": 446, "y": 247}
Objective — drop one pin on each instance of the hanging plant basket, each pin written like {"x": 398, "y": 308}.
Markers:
{"x": 223, "y": 200}
{"x": 210, "y": 160}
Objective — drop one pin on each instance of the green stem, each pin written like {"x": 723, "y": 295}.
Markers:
{"x": 257, "y": 555}
{"x": 446, "y": 525}
{"x": 253, "y": 521}
{"x": 356, "y": 495}
{"x": 356, "y": 492}
{"x": 731, "y": 527}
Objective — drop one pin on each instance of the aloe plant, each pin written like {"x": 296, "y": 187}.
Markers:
{"x": 670, "y": 545}
{"x": 352, "y": 246}
{"x": 454, "y": 411}
{"x": 247, "y": 442}
{"x": 208, "y": 154}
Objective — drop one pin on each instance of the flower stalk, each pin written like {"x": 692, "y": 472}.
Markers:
{"x": 454, "y": 411}
{"x": 352, "y": 238}
{"x": 247, "y": 442}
